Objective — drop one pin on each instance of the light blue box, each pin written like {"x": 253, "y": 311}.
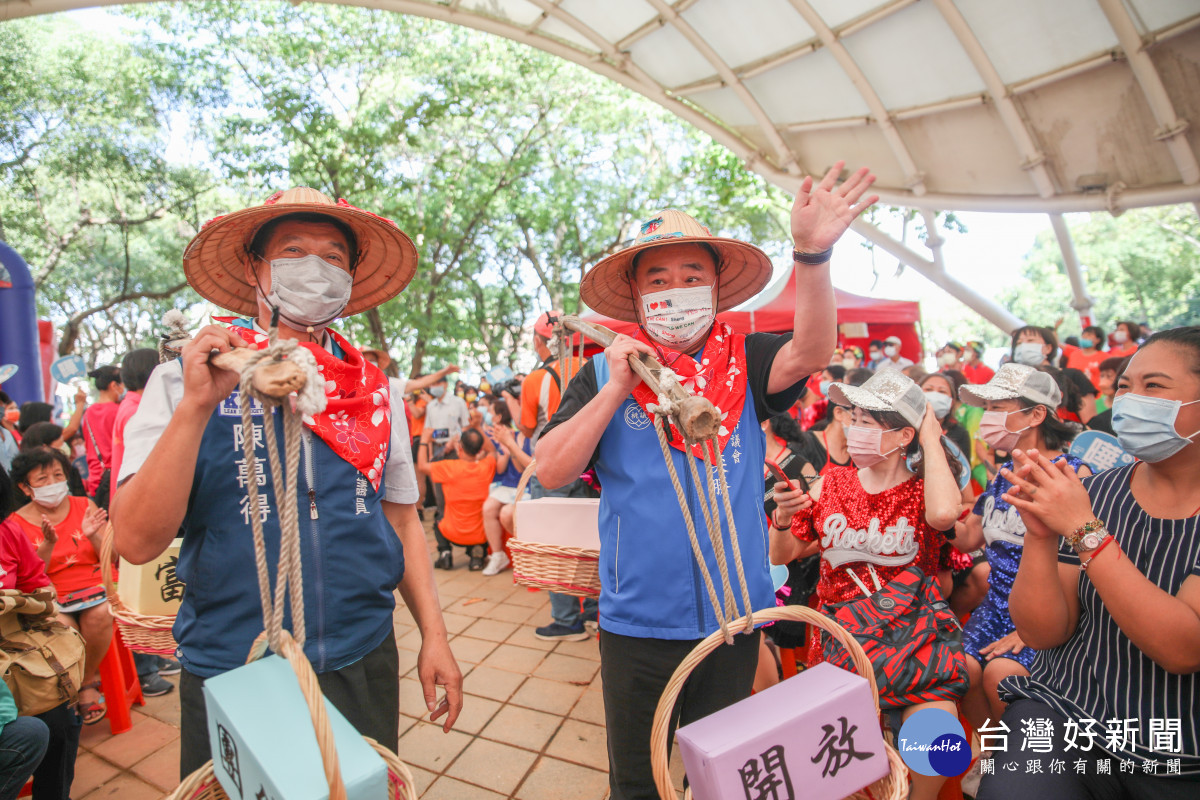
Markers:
{"x": 263, "y": 742}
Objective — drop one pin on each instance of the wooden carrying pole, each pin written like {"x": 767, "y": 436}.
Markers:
{"x": 274, "y": 377}
{"x": 696, "y": 418}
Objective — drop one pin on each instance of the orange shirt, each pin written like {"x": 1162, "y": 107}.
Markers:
{"x": 74, "y": 564}
{"x": 417, "y": 424}
{"x": 535, "y": 412}
{"x": 465, "y": 485}
{"x": 1089, "y": 365}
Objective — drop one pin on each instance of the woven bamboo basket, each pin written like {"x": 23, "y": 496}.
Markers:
{"x": 202, "y": 784}
{"x": 567, "y": 570}
{"x": 142, "y": 633}
{"x": 893, "y": 786}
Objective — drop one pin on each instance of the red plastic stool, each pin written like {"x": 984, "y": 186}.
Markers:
{"x": 120, "y": 684}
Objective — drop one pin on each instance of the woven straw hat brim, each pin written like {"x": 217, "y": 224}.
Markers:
{"x": 745, "y": 271}
{"x": 214, "y": 260}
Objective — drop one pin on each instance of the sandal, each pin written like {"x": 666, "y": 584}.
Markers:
{"x": 93, "y": 712}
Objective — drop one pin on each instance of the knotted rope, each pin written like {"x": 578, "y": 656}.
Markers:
{"x": 709, "y": 509}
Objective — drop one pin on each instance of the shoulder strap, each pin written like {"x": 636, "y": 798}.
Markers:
{"x": 95, "y": 445}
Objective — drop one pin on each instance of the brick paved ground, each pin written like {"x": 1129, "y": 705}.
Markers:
{"x": 532, "y": 726}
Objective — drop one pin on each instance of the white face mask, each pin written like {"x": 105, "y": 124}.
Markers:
{"x": 1120, "y": 337}
{"x": 891, "y": 350}
{"x": 51, "y": 495}
{"x": 940, "y": 403}
{"x": 1029, "y": 353}
{"x": 309, "y": 292}
{"x": 947, "y": 359}
{"x": 678, "y": 317}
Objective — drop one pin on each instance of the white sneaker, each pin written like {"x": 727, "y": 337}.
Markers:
{"x": 497, "y": 562}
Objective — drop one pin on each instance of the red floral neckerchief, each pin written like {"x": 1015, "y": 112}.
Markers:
{"x": 719, "y": 375}
{"x": 357, "y": 420}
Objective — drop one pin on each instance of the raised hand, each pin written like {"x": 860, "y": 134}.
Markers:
{"x": 93, "y": 521}
{"x": 1051, "y": 498}
{"x": 49, "y": 534}
{"x": 822, "y": 213}
{"x": 203, "y": 384}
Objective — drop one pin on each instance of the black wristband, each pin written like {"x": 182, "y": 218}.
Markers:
{"x": 812, "y": 259}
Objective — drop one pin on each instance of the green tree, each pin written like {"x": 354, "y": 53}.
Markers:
{"x": 86, "y": 194}
{"x": 1143, "y": 265}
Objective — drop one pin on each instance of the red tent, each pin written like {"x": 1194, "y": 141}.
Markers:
{"x": 772, "y": 311}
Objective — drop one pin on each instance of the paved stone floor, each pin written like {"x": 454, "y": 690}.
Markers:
{"x": 532, "y": 725}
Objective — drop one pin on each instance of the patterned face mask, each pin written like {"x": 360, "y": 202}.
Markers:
{"x": 678, "y": 317}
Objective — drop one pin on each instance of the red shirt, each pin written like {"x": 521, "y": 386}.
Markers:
{"x": 1089, "y": 365}
{"x": 887, "y": 530}
{"x": 977, "y": 373}
{"x": 20, "y": 567}
{"x": 74, "y": 564}
{"x": 97, "y": 436}
{"x": 125, "y": 411}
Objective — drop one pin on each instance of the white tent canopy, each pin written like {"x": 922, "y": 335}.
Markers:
{"x": 1022, "y": 105}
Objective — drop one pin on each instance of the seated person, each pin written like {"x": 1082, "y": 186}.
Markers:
{"x": 465, "y": 483}
{"x": 44, "y": 744}
{"x": 66, "y": 532}
{"x": 47, "y": 434}
{"x": 514, "y": 454}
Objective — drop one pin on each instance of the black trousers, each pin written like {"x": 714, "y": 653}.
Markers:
{"x": 1012, "y": 779}
{"x": 53, "y": 777}
{"x": 634, "y": 673}
{"x": 367, "y": 693}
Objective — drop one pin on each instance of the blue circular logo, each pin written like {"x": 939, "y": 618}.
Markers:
{"x": 931, "y": 742}
{"x": 635, "y": 418}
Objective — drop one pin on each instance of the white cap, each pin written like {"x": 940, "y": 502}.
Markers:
{"x": 1014, "y": 381}
{"x": 889, "y": 390}
{"x": 894, "y": 340}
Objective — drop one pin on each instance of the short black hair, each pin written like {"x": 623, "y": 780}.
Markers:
{"x": 136, "y": 368}
{"x": 106, "y": 376}
{"x": 29, "y": 460}
{"x": 876, "y": 343}
{"x": 41, "y": 434}
{"x": 857, "y": 377}
{"x": 4, "y": 398}
{"x": 1045, "y": 334}
{"x": 1187, "y": 337}
{"x": 472, "y": 441}
{"x": 32, "y": 413}
{"x": 837, "y": 371}
{"x": 258, "y": 244}
{"x": 1114, "y": 364}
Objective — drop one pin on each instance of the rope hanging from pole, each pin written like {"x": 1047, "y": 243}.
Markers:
{"x": 697, "y": 420}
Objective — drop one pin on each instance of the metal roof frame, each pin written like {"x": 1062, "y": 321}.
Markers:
{"x": 770, "y": 146}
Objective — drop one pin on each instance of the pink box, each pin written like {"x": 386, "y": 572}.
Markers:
{"x": 815, "y": 736}
{"x": 567, "y": 521}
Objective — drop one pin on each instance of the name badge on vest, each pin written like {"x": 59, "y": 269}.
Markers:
{"x": 231, "y": 406}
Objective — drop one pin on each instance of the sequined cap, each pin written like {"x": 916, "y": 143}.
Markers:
{"x": 1012, "y": 381}
{"x": 889, "y": 390}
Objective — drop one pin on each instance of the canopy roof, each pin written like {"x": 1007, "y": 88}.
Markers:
{"x": 956, "y": 104}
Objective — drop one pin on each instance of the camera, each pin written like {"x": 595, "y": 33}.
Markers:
{"x": 512, "y": 386}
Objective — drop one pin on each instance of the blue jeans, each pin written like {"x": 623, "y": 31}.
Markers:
{"x": 22, "y": 745}
{"x": 564, "y": 608}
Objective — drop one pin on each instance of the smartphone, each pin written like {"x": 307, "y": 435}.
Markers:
{"x": 778, "y": 473}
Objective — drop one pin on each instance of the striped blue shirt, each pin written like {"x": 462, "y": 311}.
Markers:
{"x": 1099, "y": 673}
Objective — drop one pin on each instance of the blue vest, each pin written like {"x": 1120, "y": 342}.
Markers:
{"x": 352, "y": 559}
{"x": 650, "y": 583}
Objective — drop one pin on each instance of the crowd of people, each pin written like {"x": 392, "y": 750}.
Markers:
{"x": 1022, "y": 591}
